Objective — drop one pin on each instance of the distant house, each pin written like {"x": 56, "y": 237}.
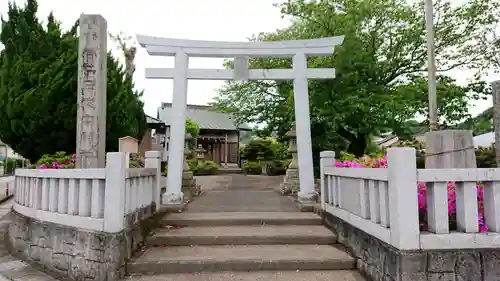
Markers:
{"x": 392, "y": 140}
{"x": 219, "y": 133}
{"x": 7, "y": 152}
{"x": 149, "y": 141}
{"x": 484, "y": 140}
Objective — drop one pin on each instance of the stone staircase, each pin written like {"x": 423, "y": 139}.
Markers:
{"x": 245, "y": 246}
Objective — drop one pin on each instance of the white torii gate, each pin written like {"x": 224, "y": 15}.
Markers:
{"x": 182, "y": 49}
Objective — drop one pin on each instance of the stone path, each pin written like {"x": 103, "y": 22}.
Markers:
{"x": 241, "y": 193}
{"x": 242, "y": 230}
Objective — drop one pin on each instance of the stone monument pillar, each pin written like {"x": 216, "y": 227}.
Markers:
{"x": 91, "y": 110}
{"x": 291, "y": 183}
{"x": 189, "y": 187}
{"x": 495, "y": 87}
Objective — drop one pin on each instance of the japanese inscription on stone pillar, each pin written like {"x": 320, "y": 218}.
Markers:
{"x": 91, "y": 110}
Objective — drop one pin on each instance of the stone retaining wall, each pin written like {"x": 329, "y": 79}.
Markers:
{"x": 379, "y": 261}
{"x": 77, "y": 254}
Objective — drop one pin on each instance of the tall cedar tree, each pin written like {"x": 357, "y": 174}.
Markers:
{"x": 38, "y": 88}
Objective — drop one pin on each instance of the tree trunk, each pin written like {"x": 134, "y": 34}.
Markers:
{"x": 357, "y": 146}
{"x": 357, "y": 143}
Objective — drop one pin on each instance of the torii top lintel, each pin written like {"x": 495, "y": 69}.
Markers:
{"x": 158, "y": 46}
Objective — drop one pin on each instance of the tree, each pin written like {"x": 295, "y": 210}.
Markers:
{"x": 128, "y": 51}
{"x": 192, "y": 128}
{"x": 380, "y": 68}
{"x": 38, "y": 88}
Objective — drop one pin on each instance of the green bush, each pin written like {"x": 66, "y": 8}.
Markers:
{"x": 192, "y": 128}
{"x": 277, "y": 167}
{"x": 58, "y": 160}
{"x": 271, "y": 148}
{"x": 199, "y": 168}
{"x": 485, "y": 157}
{"x": 202, "y": 168}
{"x": 61, "y": 160}
{"x": 136, "y": 161}
{"x": 252, "y": 168}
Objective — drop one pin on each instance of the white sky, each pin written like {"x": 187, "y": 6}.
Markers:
{"x": 218, "y": 20}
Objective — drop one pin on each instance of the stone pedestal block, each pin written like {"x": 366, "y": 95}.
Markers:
{"x": 189, "y": 187}
{"x": 291, "y": 184}
{"x": 449, "y": 149}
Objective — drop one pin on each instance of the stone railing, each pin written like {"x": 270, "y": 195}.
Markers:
{"x": 88, "y": 218}
{"x": 95, "y": 199}
{"x": 376, "y": 213}
{"x": 384, "y": 202}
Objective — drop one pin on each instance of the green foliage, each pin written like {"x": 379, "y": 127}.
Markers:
{"x": 38, "y": 88}
{"x": 380, "y": 83}
{"x": 58, "y": 160}
{"x": 419, "y": 148}
{"x": 252, "y": 168}
{"x": 481, "y": 124}
{"x": 61, "y": 160}
{"x": 271, "y": 148}
{"x": 485, "y": 157}
{"x": 202, "y": 168}
{"x": 192, "y": 128}
{"x": 12, "y": 163}
{"x": 346, "y": 156}
{"x": 136, "y": 161}
{"x": 277, "y": 167}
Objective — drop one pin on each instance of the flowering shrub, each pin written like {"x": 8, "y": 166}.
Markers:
{"x": 61, "y": 160}
{"x": 58, "y": 160}
{"x": 136, "y": 161}
{"x": 381, "y": 162}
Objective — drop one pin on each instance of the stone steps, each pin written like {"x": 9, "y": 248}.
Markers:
{"x": 323, "y": 275}
{"x": 189, "y": 259}
{"x": 243, "y": 235}
{"x": 242, "y": 218}
{"x": 243, "y": 246}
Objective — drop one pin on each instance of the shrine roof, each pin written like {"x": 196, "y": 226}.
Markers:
{"x": 205, "y": 116}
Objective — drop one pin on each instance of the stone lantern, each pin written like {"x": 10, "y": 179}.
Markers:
{"x": 263, "y": 164}
{"x": 200, "y": 153}
{"x": 189, "y": 187}
{"x": 291, "y": 182}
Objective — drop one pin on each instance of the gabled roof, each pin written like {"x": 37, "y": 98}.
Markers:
{"x": 152, "y": 120}
{"x": 205, "y": 116}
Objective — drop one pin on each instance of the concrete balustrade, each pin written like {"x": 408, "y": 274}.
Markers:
{"x": 90, "y": 218}
{"x": 95, "y": 199}
{"x": 384, "y": 202}
{"x": 376, "y": 211}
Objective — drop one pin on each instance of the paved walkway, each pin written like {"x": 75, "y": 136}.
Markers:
{"x": 241, "y": 193}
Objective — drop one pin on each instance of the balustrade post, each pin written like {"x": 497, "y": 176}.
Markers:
{"x": 403, "y": 198}
{"x": 114, "y": 192}
{"x": 153, "y": 160}
{"x": 326, "y": 158}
